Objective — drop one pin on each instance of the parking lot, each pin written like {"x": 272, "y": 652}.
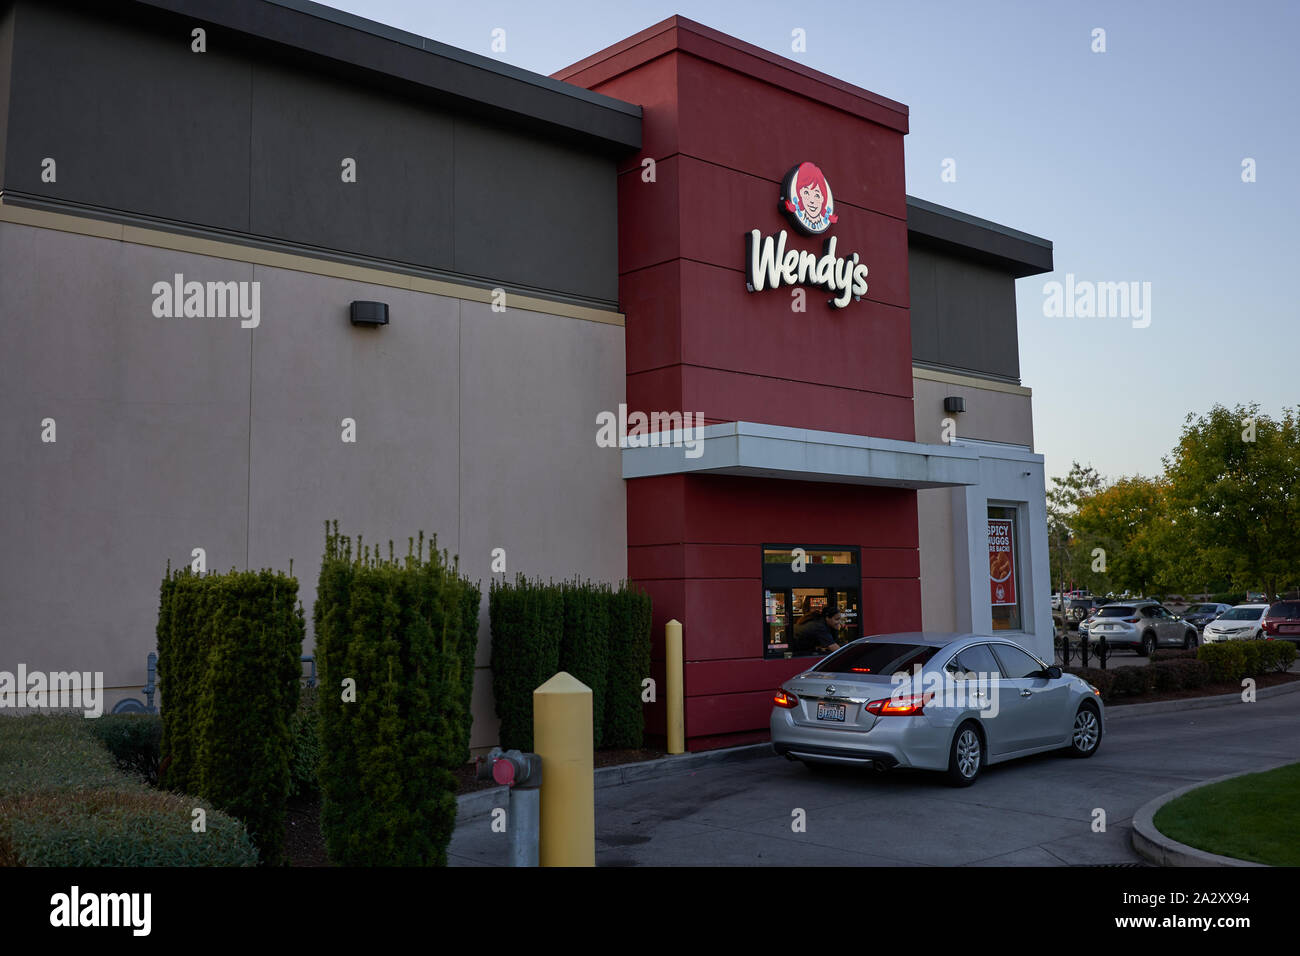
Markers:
{"x": 1040, "y": 811}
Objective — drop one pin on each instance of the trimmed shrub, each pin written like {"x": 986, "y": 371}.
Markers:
{"x": 526, "y": 621}
{"x": 1133, "y": 681}
{"x": 1185, "y": 673}
{"x": 1226, "y": 660}
{"x": 117, "y": 827}
{"x": 133, "y": 740}
{"x": 1279, "y": 655}
{"x": 228, "y": 669}
{"x": 629, "y": 663}
{"x": 393, "y": 639}
{"x": 64, "y": 803}
{"x": 584, "y": 647}
{"x": 1173, "y": 654}
{"x": 304, "y": 765}
{"x": 1098, "y": 678}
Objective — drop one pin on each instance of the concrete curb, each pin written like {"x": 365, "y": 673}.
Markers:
{"x": 483, "y": 802}
{"x": 1120, "y": 711}
{"x": 1155, "y": 847}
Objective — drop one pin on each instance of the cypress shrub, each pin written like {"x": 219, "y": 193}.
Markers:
{"x": 526, "y": 621}
{"x": 304, "y": 763}
{"x": 629, "y": 613}
{"x": 584, "y": 648}
{"x": 228, "y": 668}
{"x": 393, "y": 640}
{"x": 599, "y": 635}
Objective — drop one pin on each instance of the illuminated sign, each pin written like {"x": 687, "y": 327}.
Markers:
{"x": 806, "y": 200}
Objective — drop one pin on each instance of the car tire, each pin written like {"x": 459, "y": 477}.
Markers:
{"x": 1190, "y": 641}
{"x": 1085, "y": 735}
{"x": 1147, "y": 645}
{"x": 965, "y": 755}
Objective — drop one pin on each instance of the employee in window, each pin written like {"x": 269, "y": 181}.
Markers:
{"x": 819, "y": 633}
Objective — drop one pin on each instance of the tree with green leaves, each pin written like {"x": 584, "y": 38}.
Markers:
{"x": 1234, "y": 479}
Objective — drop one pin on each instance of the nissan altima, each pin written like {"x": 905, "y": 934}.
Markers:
{"x": 954, "y": 703}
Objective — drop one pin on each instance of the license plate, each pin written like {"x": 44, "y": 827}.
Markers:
{"x": 831, "y": 712}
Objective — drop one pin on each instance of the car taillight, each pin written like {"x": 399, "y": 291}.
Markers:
{"x": 909, "y": 706}
{"x": 788, "y": 701}
{"x": 1130, "y": 620}
{"x": 1269, "y": 626}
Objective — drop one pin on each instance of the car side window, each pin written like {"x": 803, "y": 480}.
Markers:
{"x": 977, "y": 659}
{"x": 1016, "y": 663}
{"x": 1148, "y": 612}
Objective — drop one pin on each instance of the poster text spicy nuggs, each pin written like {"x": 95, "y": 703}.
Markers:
{"x": 807, "y": 202}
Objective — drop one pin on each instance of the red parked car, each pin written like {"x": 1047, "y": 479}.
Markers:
{"x": 1281, "y": 622}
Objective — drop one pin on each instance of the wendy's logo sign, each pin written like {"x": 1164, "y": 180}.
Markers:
{"x": 806, "y": 200}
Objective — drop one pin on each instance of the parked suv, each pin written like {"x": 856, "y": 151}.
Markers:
{"x": 1142, "y": 625}
{"x": 1281, "y": 622}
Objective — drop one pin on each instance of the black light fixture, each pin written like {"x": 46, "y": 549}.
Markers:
{"x": 954, "y": 403}
{"x": 369, "y": 313}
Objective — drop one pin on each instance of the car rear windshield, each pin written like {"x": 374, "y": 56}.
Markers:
{"x": 1285, "y": 609}
{"x": 1115, "y": 610}
{"x": 1242, "y": 614}
{"x": 883, "y": 658}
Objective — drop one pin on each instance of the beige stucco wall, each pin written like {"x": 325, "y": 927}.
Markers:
{"x": 177, "y": 433}
{"x": 994, "y": 412}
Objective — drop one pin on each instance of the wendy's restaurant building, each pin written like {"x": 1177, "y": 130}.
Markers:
{"x": 263, "y": 264}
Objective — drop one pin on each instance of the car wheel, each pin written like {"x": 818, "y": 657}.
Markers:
{"x": 1148, "y": 645}
{"x": 966, "y": 755}
{"x": 1189, "y": 641}
{"x": 1085, "y": 736}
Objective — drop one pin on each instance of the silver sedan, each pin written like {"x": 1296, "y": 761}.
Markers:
{"x": 954, "y": 703}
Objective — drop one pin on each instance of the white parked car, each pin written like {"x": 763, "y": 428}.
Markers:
{"x": 1240, "y": 623}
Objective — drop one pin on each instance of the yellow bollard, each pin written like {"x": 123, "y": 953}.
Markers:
{"x": 676, "y": 699}
{"x": 562, "y": 736}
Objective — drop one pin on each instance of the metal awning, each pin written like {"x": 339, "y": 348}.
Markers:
{"x": 799, "y": 454}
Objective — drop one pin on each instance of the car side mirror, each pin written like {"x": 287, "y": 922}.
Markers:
{"x": 1052, "y": 673}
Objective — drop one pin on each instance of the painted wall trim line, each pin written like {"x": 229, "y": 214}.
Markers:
{"x": 971, "y": 381}
{"x": 198, "y": 245}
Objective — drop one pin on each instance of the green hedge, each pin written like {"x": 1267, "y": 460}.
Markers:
{"x": 526, "y": 621}
{"x": 304, "y": 764}
{"x": 629, "y": 665}
{"x": 1227, "y": 660}
{"x": 134, "y": 740}
{"x": 228, "y": 668}
{"x": 63, "y": 802}
{"x": 599, "y": 635}
{"x": 584, "y": 646}
{"x": 399, "y": 632}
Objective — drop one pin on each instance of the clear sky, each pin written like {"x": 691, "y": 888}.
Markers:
{"x": 1129, "y": 160}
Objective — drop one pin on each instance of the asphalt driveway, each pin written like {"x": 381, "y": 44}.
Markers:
{"x": 1042, "y": 811}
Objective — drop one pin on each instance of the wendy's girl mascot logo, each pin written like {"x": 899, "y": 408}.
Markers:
{"x": 806, "y": 200}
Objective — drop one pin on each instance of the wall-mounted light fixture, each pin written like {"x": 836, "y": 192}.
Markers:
{"x": 954, "y": 403}
{"x": 369, "y": 313}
